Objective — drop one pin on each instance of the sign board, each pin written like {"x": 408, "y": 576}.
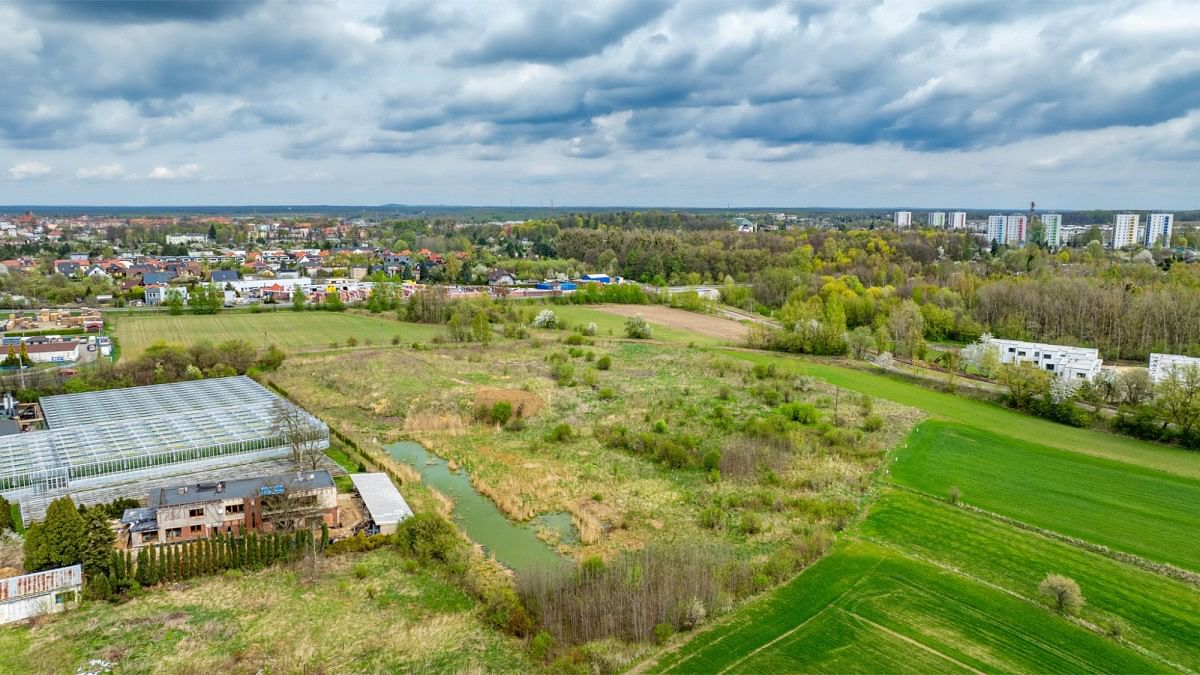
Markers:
{"x": 40, "y": 583}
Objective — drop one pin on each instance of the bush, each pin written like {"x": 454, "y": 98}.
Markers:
{"x": 692, "y": 614}
{"x": 501, "y": 412}
{"x": 574, "y": 339}
{"x": 560, "y": 433}
{"x": 712, "y": 460}
{"x": 712, "y": 517}
{"x": 360, "y": 572}
{"x": 515, "y": 424}
{"x": 604, "y": 362}
{"x": 637, "y": 328}
{"x": 873, "y": 423}
{"x": 660, "y": 426}
{"x": 606, "y": 394}
{"x": 541, "y": 646}
{"x": 428, "y": 537}
{"x": 546, "y": 319}
{"x": 751, "y": 523}
{"x": 663, "y": 632}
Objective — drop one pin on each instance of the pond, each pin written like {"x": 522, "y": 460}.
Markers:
{"x": 516, "y": 545}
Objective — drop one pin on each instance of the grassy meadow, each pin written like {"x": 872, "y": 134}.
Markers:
{"x": 358, "y": 613}
{"x": 866, "y": 608}
{"x": 610, "y": 324}
{"x": 989, "y": 416}
{"x": 1126, "y": 507}
{"x": 292, "y": 331}
{"x": 624, "y": 497}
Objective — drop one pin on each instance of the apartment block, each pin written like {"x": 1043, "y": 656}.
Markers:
{"x": 1158, "y": 229}
{"x": 937, "y": 219}
{"x": 957, "y": 220}
{"x": 1125, "y": 230}
{"x": 1162, "y": 365}
{"x": 1080, "y": 363}
{"x": 1008, "y": 230}
{"x": 903, "y": 219}
{"x": 1052, "y": 223}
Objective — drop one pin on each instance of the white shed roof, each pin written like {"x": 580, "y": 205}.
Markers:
{"x": 384, "y": 502}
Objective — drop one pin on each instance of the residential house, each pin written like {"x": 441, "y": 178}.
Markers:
{"x": 1081, "y": 363}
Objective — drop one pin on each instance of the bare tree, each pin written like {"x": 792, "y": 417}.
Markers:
{"x": 300, "y": 431}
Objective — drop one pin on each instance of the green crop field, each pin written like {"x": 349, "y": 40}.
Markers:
{"x": 1123, "y": 506}
{"x": 866, "y": 608}
{"x": 1158, "y": 614}
{"x": 992, "y": 417}
{"x": 293, "y": 331}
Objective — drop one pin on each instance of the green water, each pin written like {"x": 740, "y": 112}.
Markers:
{"x": 514, "y": 544}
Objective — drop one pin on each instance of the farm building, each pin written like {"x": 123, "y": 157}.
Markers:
{"x": 1162, "y": 365}
{"x": 1080, "y": 363}
{"x": 385, "y": 504}
{"x": 47, "y": 592}
{"x": 102, "y": 445}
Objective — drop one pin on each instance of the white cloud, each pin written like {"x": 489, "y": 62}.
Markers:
{"x": 102, "y": 172}
{"x": 26, "y": 170}
{"x": 174, "y": 173}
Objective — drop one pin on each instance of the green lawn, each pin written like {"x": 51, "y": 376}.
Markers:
{"x": 293, "y": 331}
{"x": 1126, "y": 507}
{"x": 1159, "y": 614}
{"x": 865, "y": 608}
{"x": 992, "y": 417}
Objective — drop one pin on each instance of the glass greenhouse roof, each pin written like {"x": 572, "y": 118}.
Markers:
{"x": 119, "y": 430}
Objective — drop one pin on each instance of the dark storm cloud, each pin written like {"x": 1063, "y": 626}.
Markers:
{"x": 140, "y": 11}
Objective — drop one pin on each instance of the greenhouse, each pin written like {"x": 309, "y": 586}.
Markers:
{"x": 104, "y": 438}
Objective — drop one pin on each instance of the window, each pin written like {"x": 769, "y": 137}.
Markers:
{"x": 1012, "y": 349}
{"x": 195, "y": 513}
{"x": 197, "y": 529}
{"x": 173, "y": 533}
{"x": 235, "y": 508}
{"x": 1049, "y": 366}
{"x": 148, "y": 537}
{"x": 1020, "y": 353}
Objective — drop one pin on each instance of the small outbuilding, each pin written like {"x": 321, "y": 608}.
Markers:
{"x": 385, "y": 505}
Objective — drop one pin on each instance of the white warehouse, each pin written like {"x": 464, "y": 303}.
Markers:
{"x": 1161, "y": 365}
{"x": 1081, "y": 363}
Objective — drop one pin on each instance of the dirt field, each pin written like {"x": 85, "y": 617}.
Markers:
{"x": 677, "y": 318}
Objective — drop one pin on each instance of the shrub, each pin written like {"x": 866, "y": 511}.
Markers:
{"x": 663, "y": 632}
{"x": 351, "y": 341}
{"x": 574, "y": 339}
{"x": 560, "y": 433}
{"x": 515, "y": 424}
{"x": 712, "y": 460}
{"x": 606, "y": 394}
{"x": 428, "y": 537}
{"x": 751, "y": 523}
{"x": 692, "y": 614}
{"x": 660, "y": 426}
{"x": 541, "y": 646}
{"x": 396, "y": 340}
{"x": 1063, "y": 591}
{"x": 590, "y": 356}
{"x": 546, "y": 319}
{"x": 575, "y": 352}
{"x": 360, "y": 572}
{"x": 873, "y": 423}
{"x": 712, "y": 517}
{"x": 501, "y": 412}
{"x": 604, "y": 362}
{"x": 562, "y": 372}
{"x": 637, "y": 328}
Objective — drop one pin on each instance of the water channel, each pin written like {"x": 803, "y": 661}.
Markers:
{"x": 516, "y": 545}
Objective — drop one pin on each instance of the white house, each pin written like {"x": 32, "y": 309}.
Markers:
{"x": 1082, "y": 363}
{"x": 156, "y": 294}
{"x": 1161, "y": 365}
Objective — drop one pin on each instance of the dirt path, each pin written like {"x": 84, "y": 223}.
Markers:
{"x": 703, "y": 324}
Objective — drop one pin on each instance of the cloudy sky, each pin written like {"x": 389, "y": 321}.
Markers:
{"x": 604, "y": 102}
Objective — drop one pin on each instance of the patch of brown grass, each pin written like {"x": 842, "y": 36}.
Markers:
{"x": 426, "y": 421}
{"x": 524, "y": 404}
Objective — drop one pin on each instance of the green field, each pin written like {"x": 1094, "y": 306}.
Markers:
{"x": 992, "y": 417}
{"x": 1159, "y": 614}
{"x": 865, "y": 608}
{"x": 1123, "y": 506}
{"x": 293, "y": 331}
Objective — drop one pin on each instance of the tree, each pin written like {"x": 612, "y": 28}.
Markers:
{"x": 906, "y": 325}
{"x": 546, "y": 319}
{"x": 301, "y": 431}
{"x": 6, "y": 519}
{"x": 98, "y": 540}
{"x": 1134, "y": 386}
{"x": 1025, "y": 382}
{"x": 637, "y": 328}
{"x": 174, "y": 302}
{"x": 298, "y": 299}
{"x": 58, "y": 540}
{"x": 860, "y": 341}
{"x": 1065, "y": 593}
{"x": 1177, "y": 398}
